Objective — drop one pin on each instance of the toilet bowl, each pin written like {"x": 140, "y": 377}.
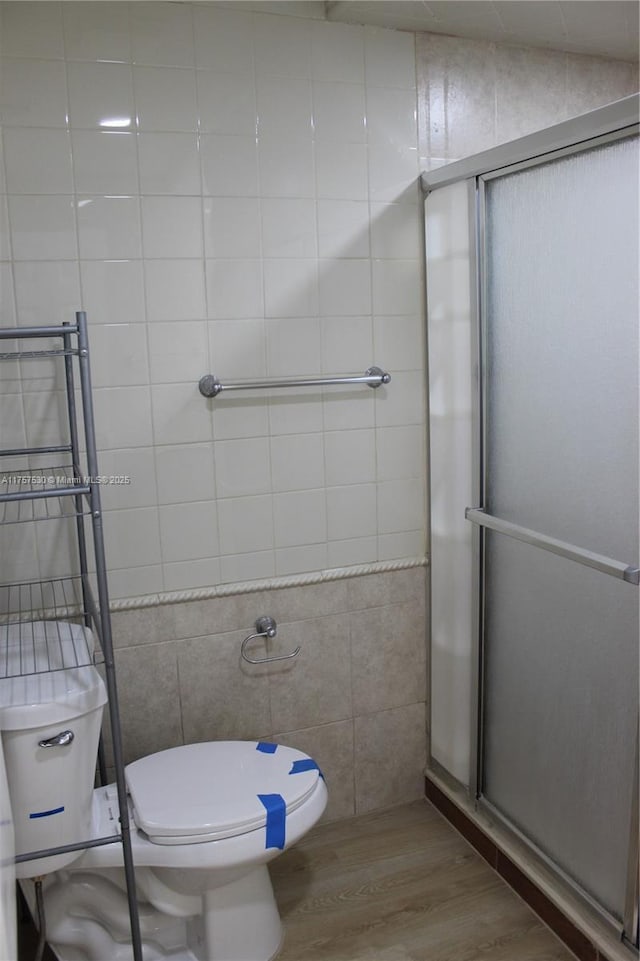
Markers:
{"x": 205, "y": 820}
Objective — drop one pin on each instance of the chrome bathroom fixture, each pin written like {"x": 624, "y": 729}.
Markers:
{"x": 210, "y": 385}
{"x": 266, "y": 627}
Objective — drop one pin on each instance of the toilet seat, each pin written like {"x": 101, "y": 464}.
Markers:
{"x": 204, "y": 792}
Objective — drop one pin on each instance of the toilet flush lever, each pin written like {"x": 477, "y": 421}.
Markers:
{"x": 58, "y": 740}
{"x": 266, "y": 627}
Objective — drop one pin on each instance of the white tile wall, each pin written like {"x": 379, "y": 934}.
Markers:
{"x": 236, "y": 192}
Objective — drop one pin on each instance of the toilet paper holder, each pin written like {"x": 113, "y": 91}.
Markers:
{"x": 265, "y": 627}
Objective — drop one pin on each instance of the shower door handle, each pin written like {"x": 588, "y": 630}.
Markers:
{"x": 607, "y": 565}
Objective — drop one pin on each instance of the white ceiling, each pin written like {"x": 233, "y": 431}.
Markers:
{"x": 605, "y": 28}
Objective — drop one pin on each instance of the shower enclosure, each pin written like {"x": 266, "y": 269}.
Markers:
{"x": 532, "y": 285}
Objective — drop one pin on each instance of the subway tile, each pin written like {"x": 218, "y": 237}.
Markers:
{"x": 131, "y": 476}
{"x": 234, "y": 288}
{"x": 347, "y": 344}
{"x": 401, "y": 505}
{"x": 33, "y": 29}
{"x": 232, "y": 227}
{"x": 400, "y": 340}
{"x": 343, "y": 228}
{"x": 135, "y": 581}
{"x": 227, "y": 103}
{"x": 132, "y": 537}
{"x": 7, "y": 299}
{"x": 165, "y": 98}
{"x": 395, "y": 231}
{"x": 180, "y": 414}
{"x": 162, "y": 35}
{"x": 290, "y": 288}
{"x": 297, "y": 462}
{"x": 288, "y": 227}
{"x": 188, "y": 531}
{"x": 298, "y": 560}
{"x": 391, "y": 116}
{"x": 345, "y": 287}
{"x": 113, "y": 291}
{"x": 300, "y": 518}
{"x": 393, "y": 173}
{"x": 104, "y": 162}
{"x": 229, "y": 165}
{"x": 101, "y": 96}
{"x": 389, "y": 58}
{"x": 172, "y": 227}
{"x": 97, "y": 31}
{"x": 175, "y": 290}
{"x": 284, "y": 108}
{"x": 223, "y": 39}
{"x": 282, "y": 46}
{"x": 293, "y": 349}
{"x": 357, "y": 550}
{"x": 46, "y": 289}
{"x": 339, "y": 112}
{"x": 37, "y": 161}
{"x": 43, "y": 228}
{"x": 184, "y": 473}
{"x": 403, "y": 402}
{"x": 177, "y": 351}
{"x": 34, "y": 93}
{"x": 285, "y": 167}
{"x": 350, "y": 457}
{"x": 187, "y": 575}
{"x": 341, "y": 171}
{"x": 237, "y": 348}
{"x": 403, "y": 544}
{"x": 351, "y": 511}
{"x": 295, "y": 415}
{"x": 123, "y": 418}
{"x": 337, "y": 51}
{"x": 400, "y": 452}
{"x": 247, "y": 567}
{"x": 397, "y": 287}
{"x": 169, "y": 163}
{"x": 109, "y": 227}
{"x": 245, "y": 524}
{"x": 119, "y": 355}
{"x": 242, "y": 467}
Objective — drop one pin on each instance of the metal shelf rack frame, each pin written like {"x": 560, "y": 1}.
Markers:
{"x": 65, "y": 492}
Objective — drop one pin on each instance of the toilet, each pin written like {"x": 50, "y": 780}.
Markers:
{"x": 205, "y": 819}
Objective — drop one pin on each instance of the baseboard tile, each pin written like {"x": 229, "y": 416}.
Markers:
{"x": 582, "y": 946}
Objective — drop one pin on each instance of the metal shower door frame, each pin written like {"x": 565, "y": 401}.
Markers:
{"x": 481, "y": 521}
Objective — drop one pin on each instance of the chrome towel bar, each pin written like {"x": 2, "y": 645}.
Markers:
{"x": 210, "y": 386}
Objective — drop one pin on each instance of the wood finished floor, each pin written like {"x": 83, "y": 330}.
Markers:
{"x": 401, "y": 885}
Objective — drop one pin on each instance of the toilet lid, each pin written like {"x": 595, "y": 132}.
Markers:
{"x": 207, "y": 791}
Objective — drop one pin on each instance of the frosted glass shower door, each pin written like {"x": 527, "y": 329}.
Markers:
{"x": 560, "y": 698}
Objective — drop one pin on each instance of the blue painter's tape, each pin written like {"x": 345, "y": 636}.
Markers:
{"x": 305, "y": 764}
{"x": 266, "y": 748}
{"x": 276, "y": 814}
{"x": 46, "y": 814}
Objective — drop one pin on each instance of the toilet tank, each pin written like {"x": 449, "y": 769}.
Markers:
{"x": 50, "y": 723}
